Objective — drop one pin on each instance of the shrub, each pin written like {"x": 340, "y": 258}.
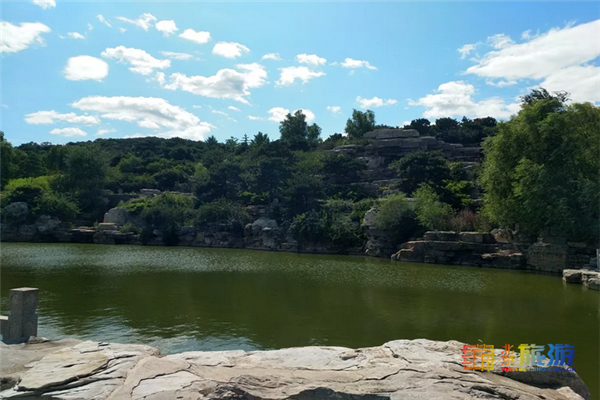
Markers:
{"x": 430, "y": 211}
{"x": 396, "y": 216}
{"x": 221, "y": 210}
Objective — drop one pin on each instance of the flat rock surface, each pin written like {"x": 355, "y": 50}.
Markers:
{"x": 401, "y": 369}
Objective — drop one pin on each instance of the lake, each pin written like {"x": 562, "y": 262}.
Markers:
{"x": 179, "y": 299}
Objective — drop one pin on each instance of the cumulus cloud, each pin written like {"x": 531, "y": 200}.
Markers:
{"x": 455, "y": 99}
{"x": 16, "y": 38}
{"x": 51, "y": 117}
{"x": 271, "y": 56}
{"x": 68, "y": 132}
{"x": 141, "y": 62}
{"x": 289, "y": 75}
{"x": 144, "y": 21}
{"x": 90, "y": 27}
{"x": 76, "y": 35}
{"x": 232, "y": 108}
{"x": 167, "y": 27}
{"x": 500, "y": 41}
{"x": 582, "y": 82}
{"x": 552, "y": 57}
{"x": 278, "y": 114}
{"x": 103, "y": 20}
{"x": 374, "y": 102}
{"x": 225, "y": 84}
{"x": 196, "y": 37}
{"x": 177, "y": 56}
{"x": 147, "y": 112}
{"x": 351, "y": 63}
{"x": 83, "y": 68}
{"x": 45, "y": 4}
{"x": 334, "y": 109}
{"x": 229, "y": 49}
{"x": 255, "y": 118}
{"x": 101, "y": 132}
{"x": 310, "y": 59}
{"x": 466, "y": 50}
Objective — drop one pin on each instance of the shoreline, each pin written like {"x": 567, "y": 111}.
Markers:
{"x": 419, "y": 368}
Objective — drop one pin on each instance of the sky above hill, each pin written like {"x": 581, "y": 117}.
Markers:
{"x": 73, "y": 71}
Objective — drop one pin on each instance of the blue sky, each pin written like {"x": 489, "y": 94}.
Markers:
{"x": 82, "y": 70}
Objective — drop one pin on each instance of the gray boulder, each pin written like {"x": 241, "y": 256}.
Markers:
{"x": 15, "y": 212}
{"x": 117, "y": 216}
{"x": 46, "y": 224}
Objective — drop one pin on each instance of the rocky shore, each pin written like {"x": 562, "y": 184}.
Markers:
{"x": 400, "y": 369}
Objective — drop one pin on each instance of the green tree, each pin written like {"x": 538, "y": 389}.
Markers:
{"x": 430, "y": 211}
{"x": 6, "y": 159}
{"x": 422, "y": 125}
{"x": 296, "y": 133}
{"x": 421, "y": 167}
{"x": 360, "y": 123}
{"x": 541, "y": 169}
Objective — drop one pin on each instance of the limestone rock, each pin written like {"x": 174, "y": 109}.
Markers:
{"x": 46, "y": 224}
{"x": 593, "y": 283}
{"x": 117, "y": 216}
{"x": 15, "y": 212}
{"x": 401, "y": 369}
{"x": 572, "y": 276}
{"x": 107, "y": 227}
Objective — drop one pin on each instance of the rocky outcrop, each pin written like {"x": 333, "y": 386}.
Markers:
{"x": 496, "y": 249}
{"x": 587, "y": 277}
{"x": 379, "y": 244}
{"x": 400, "y": 369}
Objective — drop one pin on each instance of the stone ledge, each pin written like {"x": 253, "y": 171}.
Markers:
{"x": 407, "y": 369}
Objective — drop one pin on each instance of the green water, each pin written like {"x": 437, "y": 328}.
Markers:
{"x": 181, "y": 299}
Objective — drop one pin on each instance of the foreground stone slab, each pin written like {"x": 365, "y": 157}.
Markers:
{"x": 401, "y": 369}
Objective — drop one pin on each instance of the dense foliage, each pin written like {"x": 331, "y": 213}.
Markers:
{"x": 540, "y": 171}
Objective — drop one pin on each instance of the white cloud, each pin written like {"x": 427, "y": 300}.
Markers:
{"x": 225, "y": 84}
{"x": 51, "y": 117}
{"x": 142, "y": 62}
{"x": 194, "y": 106}
{"x": 557, "y": 57}
{"x": 500, "y": 83}
{"x": 16, "y": 38}
{"x": 147, "y": 112}
{"x": 105, "y": 131}
{"x": 122, "y": 30}
{"x": 500, "y": 41}
{"x": 76, "y": 35}
{"x": 144, "y": 21}
{"x": 334, "y": 109}
{"x": 351, "y": 63}
{"x": 542, "y": 56}
{"x": 271, "y": 56}
{"x": 466, "y": 50}
{"x": 177, "y": 56}
{"x": 45, "y": 4}
{"x": 196, "y": 37}
{"x": 167, "y": 27}
{"x": 68, "y": 132}
{"x": 310, "y": 59}
{"x": 374, "y": 102}
{"x": 455, "y": 99}
{"x": 254, "y": 118}
{"x": 229, "y": 49}
{"x": 232, "y": 108}
{"x": 83, "y": 68}
{"x": 582, "y": 82}
{"x": 103, "y": 20}
{"x": 90, "y": 27}
{"x": 219, "y": 112}
{"x": 289, "y": 75}
{"x": 278, "y": 114}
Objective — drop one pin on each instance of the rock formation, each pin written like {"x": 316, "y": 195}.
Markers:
{"x": 401, "y": 369}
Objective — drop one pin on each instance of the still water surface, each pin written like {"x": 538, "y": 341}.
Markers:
{"x": 180, "y": 299}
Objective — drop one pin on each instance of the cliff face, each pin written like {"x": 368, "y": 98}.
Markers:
{"x": 400, "y": 369}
